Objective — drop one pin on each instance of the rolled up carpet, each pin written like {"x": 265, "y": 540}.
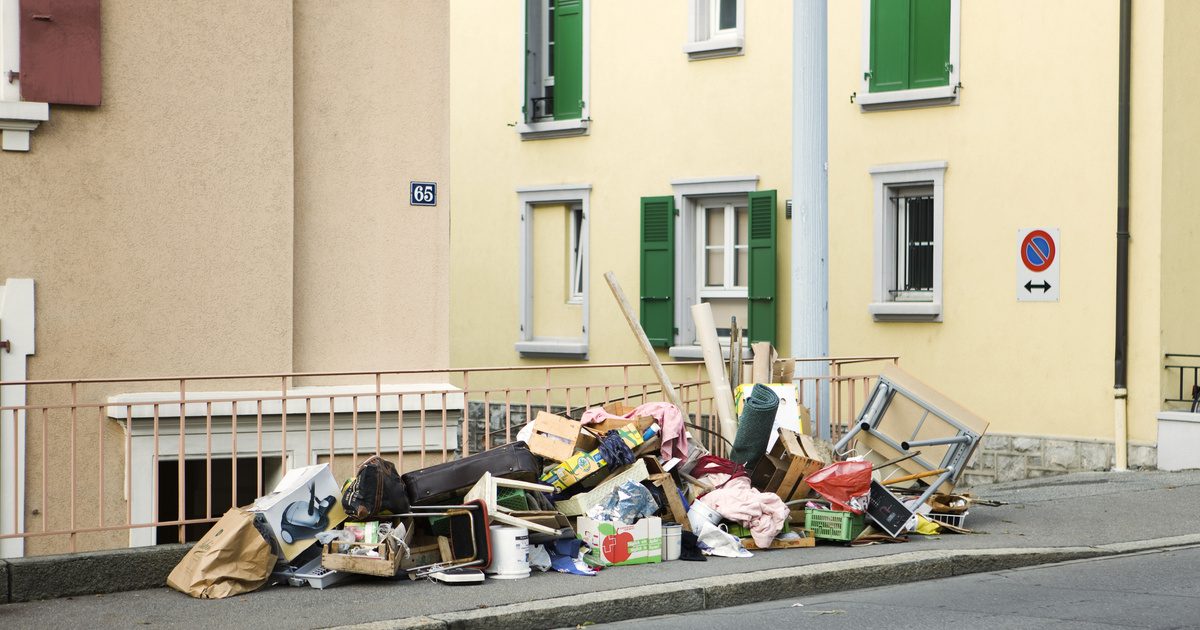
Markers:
{"x": 754, "y": 426}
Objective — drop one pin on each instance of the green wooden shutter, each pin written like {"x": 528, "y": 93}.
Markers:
{"x": 930, "y": 48}
{"x": 761, "y": 305}
{"x": 890, "y": 39}
{"x": 658, "y": 270}
{"x": 568, "y": 59}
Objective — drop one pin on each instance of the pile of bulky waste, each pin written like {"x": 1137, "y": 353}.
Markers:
{"x": 614, "y": 485}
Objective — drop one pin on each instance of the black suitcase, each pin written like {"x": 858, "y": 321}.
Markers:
{"x": 438, "y": 483}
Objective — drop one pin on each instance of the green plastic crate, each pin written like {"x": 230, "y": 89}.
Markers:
{"x": 834, "y": 524}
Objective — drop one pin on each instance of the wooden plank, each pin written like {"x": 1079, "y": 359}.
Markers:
{"x": 640, "y": 335}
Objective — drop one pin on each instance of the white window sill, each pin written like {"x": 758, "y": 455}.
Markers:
{"x": 553, "y": 129}
{"x": 729, "y": 46}
{"x": 696, "y": 352}
{"x": 901, "y": 99}
{"x": 552, "y": 348}
{"x": 17, "y": 120}
{"x": 906, "y": 311}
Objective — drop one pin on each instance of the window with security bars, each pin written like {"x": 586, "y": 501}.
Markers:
{"x": 914, "y": 246}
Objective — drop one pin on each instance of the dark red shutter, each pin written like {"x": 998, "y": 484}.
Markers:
{"x": 60, "y": 51}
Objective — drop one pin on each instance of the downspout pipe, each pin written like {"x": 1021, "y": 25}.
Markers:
{"x": 1121, "y": 342}
{"x": 810, "y": 192}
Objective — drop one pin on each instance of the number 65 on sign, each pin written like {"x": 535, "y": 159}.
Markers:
{"x": 422, "y": 193}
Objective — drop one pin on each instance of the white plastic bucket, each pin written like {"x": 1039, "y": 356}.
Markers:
{"x": 510, "y": 553}
{"x": 672, "y": 543}
{"x": 700, "y": 513}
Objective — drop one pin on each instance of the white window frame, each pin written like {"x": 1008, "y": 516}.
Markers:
{"x": 577, "y": 250}
{"x": 705, "y": 41}
{"x": 528, "y": 344}
{"x": 924, "y": 97}
{"x": 887, "y": 305}
{"x": 153, "y": 430}
{"x": 18, "y": 119}
{"x": 689, "y": 193}
{"x": 729, "y": 230}
{"x": 528, "y": 128}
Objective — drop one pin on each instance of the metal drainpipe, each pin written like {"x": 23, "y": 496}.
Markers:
{"x": 810, "y": 191}
{"x": 1121, "y": 360}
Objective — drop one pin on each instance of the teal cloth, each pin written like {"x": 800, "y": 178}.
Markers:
{"x": 754, "y": 426}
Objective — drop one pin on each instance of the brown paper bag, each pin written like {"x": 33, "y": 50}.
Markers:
{"x": 231, "y": 559}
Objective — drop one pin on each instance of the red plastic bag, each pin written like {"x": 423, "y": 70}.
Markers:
{"x": 846, "y": 484}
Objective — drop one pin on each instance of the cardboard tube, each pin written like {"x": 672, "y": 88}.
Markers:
{"x": 706, "y": 332}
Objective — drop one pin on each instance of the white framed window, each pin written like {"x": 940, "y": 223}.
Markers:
{"x": 722, "y": 260}
{"x": 575, "y": 256}
{"x": 17, "y": 118}
{"x": 555, "y": 69}
{"x": 716, "y": 28}
{"x": 576, "y": 198}
{"x": 910, "y": 53}
{"x": 908, "y": 205}
{"x": 712, "y": 267}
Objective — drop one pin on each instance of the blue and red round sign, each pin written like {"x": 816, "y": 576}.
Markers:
{"x": 1037, "y": 251}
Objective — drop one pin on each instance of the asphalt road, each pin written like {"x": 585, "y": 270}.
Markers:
{"x": 1148, "y": 590}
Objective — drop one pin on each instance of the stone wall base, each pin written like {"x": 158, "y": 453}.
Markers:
{"x": 1004, "y": 457}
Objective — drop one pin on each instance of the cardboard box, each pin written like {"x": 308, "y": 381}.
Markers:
{"x": 554, "y": 437}
{"x": 336, "y": 556}
{"x": 306, "y": 502}
{"x": 784, "y": 469}
{"x": 614, "y": 544}
{"x": 580, "y": 465}
{"x": 391, "y": 559}
{"x": 581, "y": 503}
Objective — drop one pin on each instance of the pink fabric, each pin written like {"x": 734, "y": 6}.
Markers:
{"x": 670, "y": 419}
{"x": 763, "y": 512}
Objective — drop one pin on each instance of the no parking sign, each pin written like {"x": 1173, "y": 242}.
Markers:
{"x": 1037, "y": 265}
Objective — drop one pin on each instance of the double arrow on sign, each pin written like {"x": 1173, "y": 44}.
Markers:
{"x": 1030, "y": 286}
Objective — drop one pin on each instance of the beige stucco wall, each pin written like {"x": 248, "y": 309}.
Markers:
{"x": 371, "y": 280}
{"x": 1181, "y": 189}
{"x": 158, "y": 226}
{"x": 1032, "y": 143}
{"x": 656, "y": 117}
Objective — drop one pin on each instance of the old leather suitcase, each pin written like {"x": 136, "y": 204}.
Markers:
{"x": 429, "y": 486}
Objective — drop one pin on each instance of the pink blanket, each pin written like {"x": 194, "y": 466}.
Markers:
{"x": 670, "y": 419}
{"x": 763, "y": 512}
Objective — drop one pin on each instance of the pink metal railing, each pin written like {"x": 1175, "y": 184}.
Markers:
{"x": 69, "y": 501}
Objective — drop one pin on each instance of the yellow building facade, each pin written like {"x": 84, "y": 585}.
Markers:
{"x": 1004, "y": 125}
{"x": 686, "y": 110}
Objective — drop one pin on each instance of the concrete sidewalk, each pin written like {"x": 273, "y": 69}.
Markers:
{"x": 1047, "y": 520}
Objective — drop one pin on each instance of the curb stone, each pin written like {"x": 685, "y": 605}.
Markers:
{"x": 89, "y": 572}
{"x": 772, "y": 584}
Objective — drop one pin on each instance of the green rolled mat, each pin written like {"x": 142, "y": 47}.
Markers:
{"x": 754, "y": 426}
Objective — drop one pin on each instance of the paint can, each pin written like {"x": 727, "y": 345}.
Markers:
{"x": 510, "y": 553}
{"x": 672, "y": 544}
{"x": 700, "y": 513}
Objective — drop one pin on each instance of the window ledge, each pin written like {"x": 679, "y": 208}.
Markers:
{"x": 713, "y": 48}
{"x": 904, "y": 99}
{"x": 552, "y": 348}
{"x": 906, "y": 311}
{"x": 553, "y": 129}
{"x": 17, "y": 120}
{"x": 696, "y": 352}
